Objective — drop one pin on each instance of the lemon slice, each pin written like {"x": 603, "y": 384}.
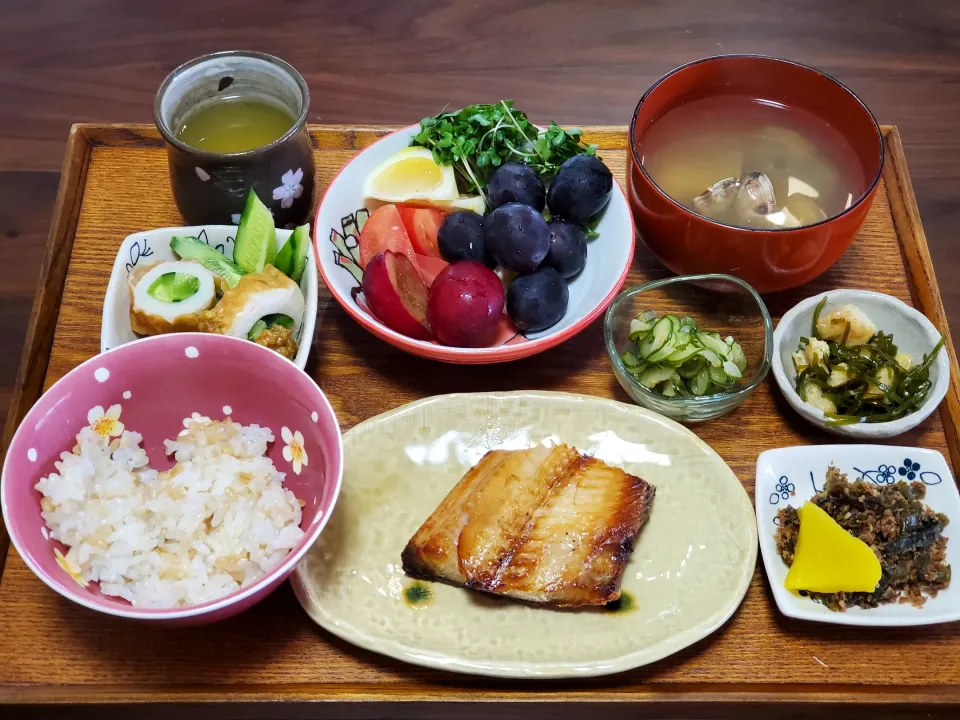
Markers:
{"x": 474, "y": 203}
{"x": 411, "y": 174}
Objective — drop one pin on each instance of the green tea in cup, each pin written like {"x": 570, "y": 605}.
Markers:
{"x": 235, "y": 121}
{"x": 235, "y": 124}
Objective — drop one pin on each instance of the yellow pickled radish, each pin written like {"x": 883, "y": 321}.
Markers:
{"x": 411, "y": 174}
{"x": 828, "y": 559}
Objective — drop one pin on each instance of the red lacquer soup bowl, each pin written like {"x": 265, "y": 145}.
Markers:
{"x": 768, "y": 259}
{"x": 150, "y": 386}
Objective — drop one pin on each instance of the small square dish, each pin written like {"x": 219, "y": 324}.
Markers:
{"x": 791, "y": 476}
{"x": 153, "y": 246}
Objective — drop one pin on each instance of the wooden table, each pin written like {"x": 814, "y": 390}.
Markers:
{"x": 392, "y": 62}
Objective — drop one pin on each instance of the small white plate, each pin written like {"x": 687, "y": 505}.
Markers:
{"x": 791, "y": 476}
{"x": 150, "y": 246}
{"x": 912, "y": 332}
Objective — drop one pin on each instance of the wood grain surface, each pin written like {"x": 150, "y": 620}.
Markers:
{"x": 53, "y": 651}
{"x": 377, "y": 61}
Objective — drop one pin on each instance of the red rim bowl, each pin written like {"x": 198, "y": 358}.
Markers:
{"x": 770, "y": 260}
{"x": 343, "y": 197}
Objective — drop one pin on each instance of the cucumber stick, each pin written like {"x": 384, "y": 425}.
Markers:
{"x": 674, "y": 357}
{"x": 256, "y": 243}
{"x": 191, "y": 248}
{"x": 291, "y": 259}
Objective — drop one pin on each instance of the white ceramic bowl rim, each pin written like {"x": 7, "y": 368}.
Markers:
{"x": 889, "y": 428}
{"x": 128, "y": 611}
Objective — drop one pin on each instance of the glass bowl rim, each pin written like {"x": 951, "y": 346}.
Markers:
{"x": 739, "y": 394}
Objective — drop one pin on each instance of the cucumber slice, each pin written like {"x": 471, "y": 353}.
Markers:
{"x": 691, "y": 367}
{"x": 731, "y": 369}
{"x": 700, "y": 383}
{"x": 268, "y": 321}
{"x": 664, "y": 352}
{"x": 639, "y": 326}
{"x": 190, "y": 248}
{"x": 661, "y": 332}
{"x": 682, "y": 354}
{"x": 301, "y": 241}
{"x": 710, "y": 342}
{"x": 738, "y": 357}
{"x": 675, "y": 321}
{"x": 718, "y": 376}
{"x": 629, "y": 359}
{"x": 711, "y": 357}
{"x": 258, "y": 327}
{"x": 653, "y": 376}
{"x": 173, "y": 287}
{"x": 256, "y": 243}
{"x": 284, "y": 260}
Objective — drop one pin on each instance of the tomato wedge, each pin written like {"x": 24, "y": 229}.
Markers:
{"x": 384, "y": 231}
{"x": 430, "y": 267}
{"x": 422, "y": 225}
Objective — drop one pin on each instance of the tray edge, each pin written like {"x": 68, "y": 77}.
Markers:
{"x": 678, "y": 701}
{"x": 42, "y": 326}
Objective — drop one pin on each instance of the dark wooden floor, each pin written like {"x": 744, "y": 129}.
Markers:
{"x": 395, "y": 61}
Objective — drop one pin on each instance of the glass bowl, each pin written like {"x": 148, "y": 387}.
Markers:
{"x": 717, "y": 302}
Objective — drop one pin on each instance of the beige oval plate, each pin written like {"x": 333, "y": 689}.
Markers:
{"x": 691, "y": 568}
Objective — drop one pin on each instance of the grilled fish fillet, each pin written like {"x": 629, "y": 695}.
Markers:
{"x": 547, "y": 526}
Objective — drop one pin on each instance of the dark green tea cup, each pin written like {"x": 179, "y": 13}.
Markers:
{"x": 211, "y": 187}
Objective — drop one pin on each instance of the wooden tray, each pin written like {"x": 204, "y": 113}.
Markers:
{"x": 53, "y": 652}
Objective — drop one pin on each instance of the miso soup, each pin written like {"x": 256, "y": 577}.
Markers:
{"x": 234, "y": 124}
{"x": 752, "y": 163}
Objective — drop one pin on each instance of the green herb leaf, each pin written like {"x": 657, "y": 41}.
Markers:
{"x": 479, "y": 138}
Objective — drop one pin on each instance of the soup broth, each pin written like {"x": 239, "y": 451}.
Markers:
{"x": 234, "y": 124}
{"x": 752, "y": 163}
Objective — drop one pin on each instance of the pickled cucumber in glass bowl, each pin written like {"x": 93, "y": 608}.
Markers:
{"x": 692, "y": 348}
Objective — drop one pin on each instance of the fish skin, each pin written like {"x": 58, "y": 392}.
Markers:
{"x": 546, "y": 526}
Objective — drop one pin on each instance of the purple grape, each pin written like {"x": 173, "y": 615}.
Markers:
{"x": 537, "y": 301}
{"x": 513, "y": 182}
{"x": 568, "y": 248}
{"x": 517, "y": 237}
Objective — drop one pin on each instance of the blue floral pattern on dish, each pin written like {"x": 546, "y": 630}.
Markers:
{"x": 884, "y": 474}
{"x": 140, "y": 249}
{"x": 784, "y": 490}
{"x": 908, "y": 469}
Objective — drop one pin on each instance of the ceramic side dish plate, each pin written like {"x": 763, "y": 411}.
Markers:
{"x": 341, "y": 215}
{"x": 152, "y": 246}
{"x": 913, "y": 333}
{"x": 791, "y": 476}
{"x": 691, "y": 568}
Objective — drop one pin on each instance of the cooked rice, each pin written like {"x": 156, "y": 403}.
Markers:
{"x": 217, "y": 521}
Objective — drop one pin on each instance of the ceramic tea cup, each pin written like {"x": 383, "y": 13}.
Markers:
{"x": 210, "y": 187}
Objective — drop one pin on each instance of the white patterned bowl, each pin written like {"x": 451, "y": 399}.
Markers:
{"x": 341, "y": 215}
{"x": 154, "y": 246}
{"x": 912, "y": 332}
